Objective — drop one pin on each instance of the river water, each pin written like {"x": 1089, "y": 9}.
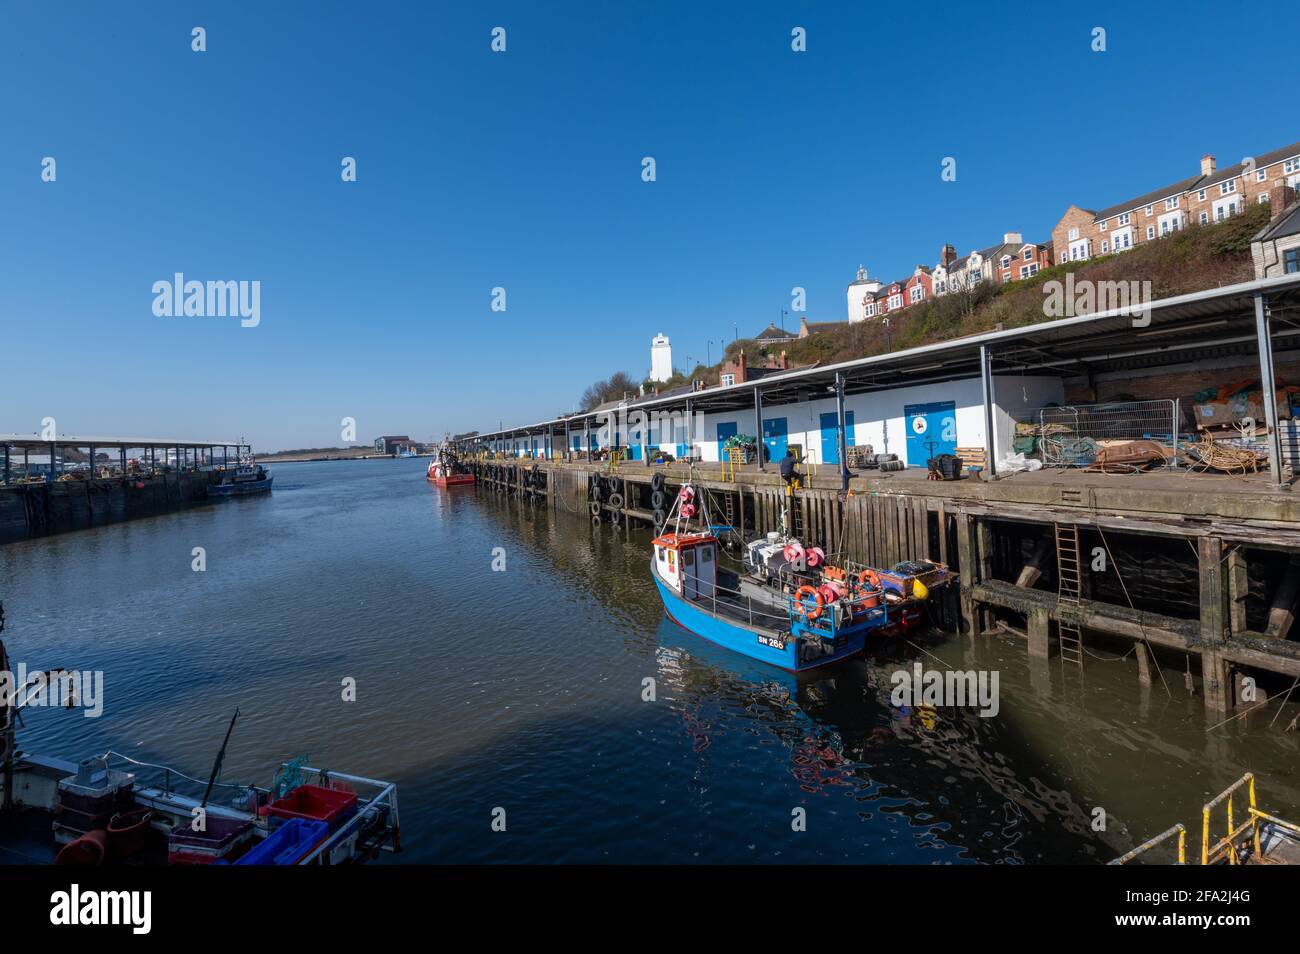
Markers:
{"x": 523, "y": 690}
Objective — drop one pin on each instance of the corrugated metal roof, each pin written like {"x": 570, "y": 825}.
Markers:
{"x": 76, "y": 440}
{"x": 1199, "y": 319}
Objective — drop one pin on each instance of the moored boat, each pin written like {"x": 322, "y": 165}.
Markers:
{"x": 447, "y": 470}
{"x": 799, "y": 632}
{"x": 248, "y": 477}
{"x": 112, "y": 808}
{"x": 790, "y": 605}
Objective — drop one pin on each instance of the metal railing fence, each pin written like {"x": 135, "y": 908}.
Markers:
{"x": 1072, "y": 436}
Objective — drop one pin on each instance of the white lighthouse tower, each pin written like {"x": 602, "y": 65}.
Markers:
{"x": 859, "y": 289}
{"x": 661, "y": 358}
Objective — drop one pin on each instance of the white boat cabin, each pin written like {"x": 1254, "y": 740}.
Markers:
{"x": 688, "y": 562}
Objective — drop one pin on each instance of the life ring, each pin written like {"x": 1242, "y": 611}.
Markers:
{"x": 803, "y": 608}
{"x": 869, "y": 578}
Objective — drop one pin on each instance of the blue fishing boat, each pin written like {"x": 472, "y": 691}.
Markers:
{"x": 810, "y": 627}
{"x": 790, "y": 605}
{"x": 247, "y": 478}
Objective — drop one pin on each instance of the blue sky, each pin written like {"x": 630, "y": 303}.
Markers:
{"x": 775, "y": 169}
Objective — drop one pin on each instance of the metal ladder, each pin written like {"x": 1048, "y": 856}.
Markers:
{"x": 729, "y": 504}
{"x": 1069, "y": 589}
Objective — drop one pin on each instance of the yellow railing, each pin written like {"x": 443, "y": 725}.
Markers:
{"x": 614, "y": 458}
{"x": 1146, "y": 846}
{"x": 812, "y": 462}
{"x": 1226, "y": 846}
{"x": 731, "y": 463}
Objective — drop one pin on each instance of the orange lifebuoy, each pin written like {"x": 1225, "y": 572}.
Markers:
{"x": 815, "y": 611}
{"x": 869, "y": 578}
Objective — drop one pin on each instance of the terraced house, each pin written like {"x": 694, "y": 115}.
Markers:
{"x": 1210, "y": 196}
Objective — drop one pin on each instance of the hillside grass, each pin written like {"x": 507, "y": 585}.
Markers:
{"x": 1195, "y": 258}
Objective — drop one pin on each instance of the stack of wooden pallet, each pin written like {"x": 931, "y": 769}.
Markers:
{"x": 860, "y": 455}
{"x": 971, "y": 457}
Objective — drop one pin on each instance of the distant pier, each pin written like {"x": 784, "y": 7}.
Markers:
{"x": 71, "y": 482}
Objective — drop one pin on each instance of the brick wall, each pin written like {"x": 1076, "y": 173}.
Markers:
{"x": 1081, "y": 219}
{"x": 1179, "y": 381}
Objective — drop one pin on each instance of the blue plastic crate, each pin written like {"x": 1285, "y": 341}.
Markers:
{"x": 287, "y": 844}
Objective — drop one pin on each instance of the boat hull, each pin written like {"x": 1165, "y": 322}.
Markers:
{"x": 241, "y": 489}
{"x": 754, "y": 642}
{"x": 453, "y": 480}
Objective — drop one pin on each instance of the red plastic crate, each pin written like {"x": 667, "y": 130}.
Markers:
{"x": 314, "y": 803}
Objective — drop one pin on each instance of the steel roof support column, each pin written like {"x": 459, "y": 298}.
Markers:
{"x": 1268, "y": 387}
{"x": 53, "y": 451}
{"x": 842, "y": 433}
{"x": 990, "y": 437}
{"x": 690, "y": 421}
{"x": 758, "y": 425}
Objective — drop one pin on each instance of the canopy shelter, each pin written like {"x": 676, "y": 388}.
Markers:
{"x": 32, "y": 456}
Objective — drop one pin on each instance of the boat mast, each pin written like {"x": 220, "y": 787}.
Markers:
{"x": 216, "y": 766}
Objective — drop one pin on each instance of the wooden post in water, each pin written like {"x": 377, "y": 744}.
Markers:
{"x": 1214, "y": 621}
{"x": 966, "y": 565}
{"x": 1040, "y": 627}
{"x": 1144, "y": 662}
{"x": 1238, "y": 589}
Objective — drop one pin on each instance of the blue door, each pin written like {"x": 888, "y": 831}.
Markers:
{"x": 775, "y": 436}
{"x": 831, "y": 438}
{"x": 725, "y": 429}
{"x": 634, "y": 452}
{"x": 680, "y": 433}
{"x": 931, "y": 431}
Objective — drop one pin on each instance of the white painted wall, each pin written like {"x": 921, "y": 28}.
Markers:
{"x": 878, "y": 416}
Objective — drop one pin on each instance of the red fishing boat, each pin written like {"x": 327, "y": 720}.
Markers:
{"x": 446, "y": 469}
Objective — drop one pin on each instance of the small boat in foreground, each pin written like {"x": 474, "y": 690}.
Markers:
{"x": 114, "y": 809}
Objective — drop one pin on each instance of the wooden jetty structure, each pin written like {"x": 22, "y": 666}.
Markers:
{"x": 1060, "y": 556}
{"x": 50, "y": 485}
